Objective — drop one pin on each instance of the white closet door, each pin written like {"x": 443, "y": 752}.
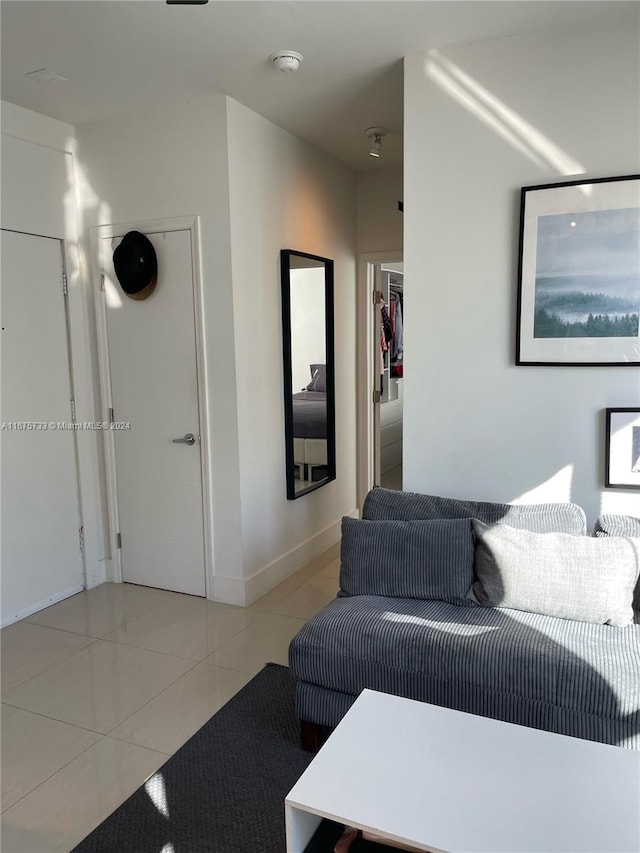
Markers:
{"x": 41, "y": 558}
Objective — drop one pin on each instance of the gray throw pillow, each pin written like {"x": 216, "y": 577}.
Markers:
{"x": 613, "y": 524}
{"x": 409, "y": 506}
{"x": 407, "y": 559}
{"x": 557, "y": 574}
{"x": 318, "y": 378}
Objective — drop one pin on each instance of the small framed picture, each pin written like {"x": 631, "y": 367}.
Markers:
{"x": 579, "y": 273}
{"x": 622, "y": 469}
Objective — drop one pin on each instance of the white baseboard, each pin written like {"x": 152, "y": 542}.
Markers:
{"x": 228, "y": 591}
{"x": 40, "y": 605}
{"x": 271, "y": 575}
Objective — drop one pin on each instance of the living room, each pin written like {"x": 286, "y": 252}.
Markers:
{"x": 527, "y": 100}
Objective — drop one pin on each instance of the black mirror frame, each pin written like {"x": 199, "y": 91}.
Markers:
{"x": 285, "y": 269}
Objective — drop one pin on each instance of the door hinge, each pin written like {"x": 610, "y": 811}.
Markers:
{"x": 377, "y": 297}
{"x": 65, "y": 284}
{"x": 81, "y": 535}
{"x": 111, "y": 417}
{"x": 377, "y": 397}
{"x": 73, "y": 410}
{"x": 118, "y": 540}
{"x": 102, "y": 281}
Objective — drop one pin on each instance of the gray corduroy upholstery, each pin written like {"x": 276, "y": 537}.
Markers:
{"x": 539, "y": 518}
{"x": 575, "y": 678}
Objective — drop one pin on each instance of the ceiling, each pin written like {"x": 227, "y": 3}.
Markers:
{"x": 120, "y": 56}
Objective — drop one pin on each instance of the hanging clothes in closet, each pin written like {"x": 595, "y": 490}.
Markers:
{"x": 386, "y": 339}
{"x": 397, "y": 350}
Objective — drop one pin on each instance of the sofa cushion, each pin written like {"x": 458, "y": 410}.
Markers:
{"x": 557, "y": 574}
{"x": 409, "y": 506}
{"x": 407, "y": 559}
{"x": 617, "y": 525}
{"x": 517, "y": 666}
{"x": 620, "y": 525}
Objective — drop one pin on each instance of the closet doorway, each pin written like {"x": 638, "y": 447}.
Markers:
{"x": 388, "y": 371}
{"x": 152, "y": 388}
{"x": 380, "y": 373}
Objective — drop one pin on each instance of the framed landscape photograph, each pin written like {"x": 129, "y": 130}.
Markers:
{"x": 622, "y": 467}
{"x": 579, "y": 273}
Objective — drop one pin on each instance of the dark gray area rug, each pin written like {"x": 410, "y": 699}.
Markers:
{"x": 225, "y": 787}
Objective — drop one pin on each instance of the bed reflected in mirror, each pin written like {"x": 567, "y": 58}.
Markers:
{"x": 309, "y": 408}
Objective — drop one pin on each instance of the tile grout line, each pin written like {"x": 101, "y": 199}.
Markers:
{"x": 55, "y": 719}
{"x": 51, "y": 775}
{"x": 42, "y": 671}
{"x": 82, "y": 752}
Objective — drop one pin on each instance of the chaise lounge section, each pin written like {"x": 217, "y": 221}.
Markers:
{"x": 392, "y": 628}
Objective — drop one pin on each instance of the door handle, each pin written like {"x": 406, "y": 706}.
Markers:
{"x": 189, "y": 439}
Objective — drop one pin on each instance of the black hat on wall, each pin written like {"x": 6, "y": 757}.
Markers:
{"x": 136, "y": 265}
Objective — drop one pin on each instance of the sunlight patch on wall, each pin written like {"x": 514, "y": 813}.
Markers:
{"x": 619, "y": 502}
{"x": 86, "y": 200}
{"x": 556, "y": 489}
{"x": 503, "y": 120}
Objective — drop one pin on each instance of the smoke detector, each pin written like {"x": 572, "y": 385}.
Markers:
{"x": 286, "y": 60}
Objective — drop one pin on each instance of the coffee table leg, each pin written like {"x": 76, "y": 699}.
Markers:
{"x": 300, "y": 826}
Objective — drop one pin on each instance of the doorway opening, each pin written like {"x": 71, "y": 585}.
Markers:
{"x": 380, "y": 371}
{"x": 389, "y": 367}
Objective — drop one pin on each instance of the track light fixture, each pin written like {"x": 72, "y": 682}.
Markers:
{"x": 374, "y": 135}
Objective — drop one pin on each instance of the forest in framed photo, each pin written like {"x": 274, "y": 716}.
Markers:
{"x": 579, "y": 273}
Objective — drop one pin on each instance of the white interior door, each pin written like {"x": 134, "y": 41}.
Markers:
{"x": 154, "y": 387}
{"x": 41, "y": 557}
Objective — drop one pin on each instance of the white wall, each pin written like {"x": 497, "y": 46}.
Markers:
{"x": 38, "y": 197}
{"x": 286, "y": 195}
{"x": 257, "y": 190}
{"x": 475, "y": 425}
{"x": 169, "y": 163}
{"x": 307, "y": 323}
{"x": 379, "y": 226}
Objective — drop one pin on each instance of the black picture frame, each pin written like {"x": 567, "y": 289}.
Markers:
{"x": 295, "y": 489}
{"x": 622, "y": 448}
{"x": 567, "y": 234}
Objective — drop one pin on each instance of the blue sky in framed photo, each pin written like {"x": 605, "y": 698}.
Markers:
{"x": 588, "y": 274}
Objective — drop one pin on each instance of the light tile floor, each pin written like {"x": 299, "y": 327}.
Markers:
{"x": 98, "y": 690}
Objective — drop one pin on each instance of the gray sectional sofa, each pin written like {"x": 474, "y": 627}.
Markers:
{"x": 407, "y": 621}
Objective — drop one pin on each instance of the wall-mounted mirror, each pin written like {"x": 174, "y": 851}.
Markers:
{"x": 309, "y": 391}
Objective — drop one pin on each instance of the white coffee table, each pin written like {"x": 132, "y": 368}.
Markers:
{"x": 444, "y": 780}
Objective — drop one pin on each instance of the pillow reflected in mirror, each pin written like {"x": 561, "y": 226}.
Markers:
{"x": 318, "y": 378}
